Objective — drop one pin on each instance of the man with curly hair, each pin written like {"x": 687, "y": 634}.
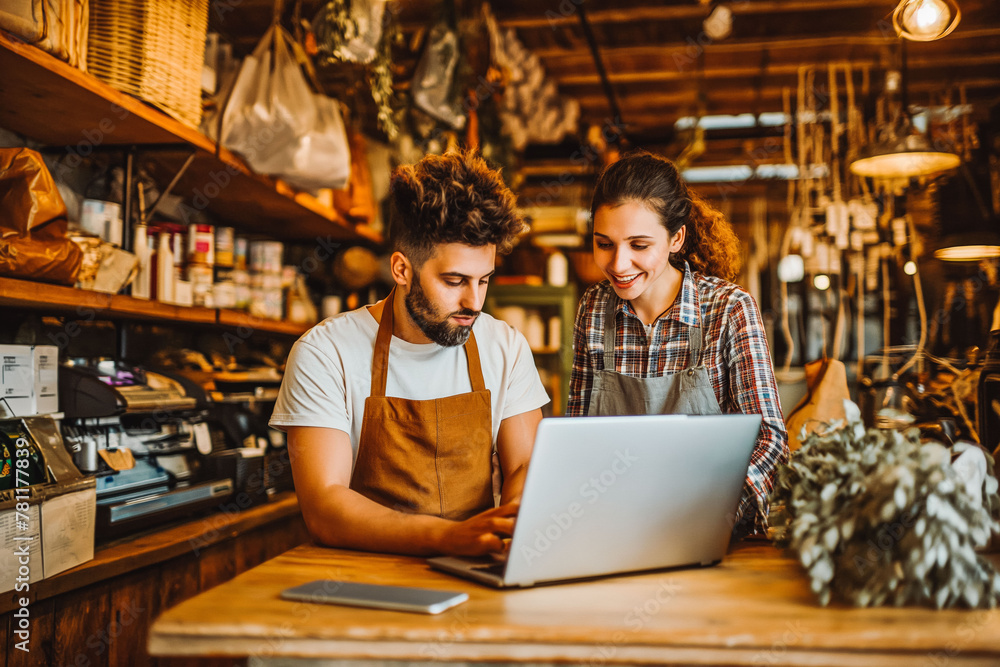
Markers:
{"x": 406, "y": 419}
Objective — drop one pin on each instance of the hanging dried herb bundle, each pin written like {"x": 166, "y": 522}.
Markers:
{"x": 362, "y": 33}
{"x": 380, "y": 78}
{"x": 879, "y": 517}
{"x": 335, "y": 27}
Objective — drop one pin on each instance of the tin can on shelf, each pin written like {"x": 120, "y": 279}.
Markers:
{"x": 224, "y": 246}
{"x": 201, "y": 244}
{"x": 268, "y": 303}
{"x": 243, "y": 296}
{"x": 201, "y": 279}
{"x": 240, "y": 246}
{"x": 266, "y": 256}
{"x": 241, "y": 282}
{"x": 224, "y": 294}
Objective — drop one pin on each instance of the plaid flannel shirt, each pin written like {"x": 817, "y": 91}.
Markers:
{"x": 734, "y": 350}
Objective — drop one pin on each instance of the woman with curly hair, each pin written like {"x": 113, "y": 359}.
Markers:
{"x": 667, "y": 332}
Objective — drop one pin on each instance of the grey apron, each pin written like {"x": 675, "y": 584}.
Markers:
{"x": 687, "y": 392}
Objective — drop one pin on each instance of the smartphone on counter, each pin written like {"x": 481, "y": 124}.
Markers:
{"x": 376, "y": 596}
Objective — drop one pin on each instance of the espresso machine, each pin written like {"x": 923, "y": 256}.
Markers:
{"x": 145, "y": 438}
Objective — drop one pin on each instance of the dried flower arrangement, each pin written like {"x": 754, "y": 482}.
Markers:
{"x": 878, "y": 516}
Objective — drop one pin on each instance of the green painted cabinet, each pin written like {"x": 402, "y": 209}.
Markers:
{"x": 545, "y": 315}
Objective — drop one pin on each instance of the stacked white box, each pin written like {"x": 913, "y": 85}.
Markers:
{"x": 46, "y": 367}
{"x": 29, "y": 380}
{"x": 17, "y": 381}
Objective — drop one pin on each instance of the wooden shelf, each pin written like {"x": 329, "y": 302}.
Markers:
{"x": 127, "y": 307}
{"x": 28, "y": 294}
{"x": 59, "y": 299}
{"x": 238, "y": 318}
{"x": 57, "y": 104}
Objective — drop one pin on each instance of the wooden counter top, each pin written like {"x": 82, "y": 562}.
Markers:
{"x": 753, "y": 609}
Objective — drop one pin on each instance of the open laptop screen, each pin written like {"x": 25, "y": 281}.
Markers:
{"x": 605, "y": 495}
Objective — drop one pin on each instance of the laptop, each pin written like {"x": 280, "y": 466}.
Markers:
{"x": 608, "y": 495}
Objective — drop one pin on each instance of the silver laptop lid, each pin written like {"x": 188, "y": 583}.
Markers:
{"x": 618, "y": 494}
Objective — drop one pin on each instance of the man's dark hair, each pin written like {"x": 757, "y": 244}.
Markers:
{"x": 451, "y": 198}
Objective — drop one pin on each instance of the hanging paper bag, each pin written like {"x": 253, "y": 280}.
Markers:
{"x": 432, "y": 80}
{"x": 275, "y": 121}
{"x": 255, "y": 122}
{"x": 321, "y": 158}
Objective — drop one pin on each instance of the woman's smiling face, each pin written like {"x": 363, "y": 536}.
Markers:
{"x": 632, "y": 249}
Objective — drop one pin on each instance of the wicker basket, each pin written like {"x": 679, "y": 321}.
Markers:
{"x": 153, "y": 49}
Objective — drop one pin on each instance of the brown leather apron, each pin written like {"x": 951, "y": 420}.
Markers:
{"x": 430, "y": 456}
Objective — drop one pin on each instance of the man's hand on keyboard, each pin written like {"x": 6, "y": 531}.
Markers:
{"x": 481, "y": 534}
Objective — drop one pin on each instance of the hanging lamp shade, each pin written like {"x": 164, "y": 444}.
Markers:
{"x": 970, "y": 247}
{"x": 905, "y": 156}
{"x": 901, "y": 151}
{"x": 925, "y": 20}
{"x": 969, "y": 226}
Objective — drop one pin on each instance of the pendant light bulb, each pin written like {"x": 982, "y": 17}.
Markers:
{"x": 925, "y": 20}
{"x": 929, "y": 17}
{"x": 791, "y": 269}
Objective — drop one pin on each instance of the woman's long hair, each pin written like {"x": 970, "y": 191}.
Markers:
{"x": 711, "y": 246}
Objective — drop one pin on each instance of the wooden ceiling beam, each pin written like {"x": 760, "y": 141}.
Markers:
{"x": 664, "y": 117}
{"x": 646, "y": 75}
{"x": 658, "y": 126}
{"x": 750, "y": 97}
{"x": 553, "y": 55}
{"x": 556, "y": 17}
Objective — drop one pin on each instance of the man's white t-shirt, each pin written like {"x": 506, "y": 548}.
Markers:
{"x": 328, "y": 374}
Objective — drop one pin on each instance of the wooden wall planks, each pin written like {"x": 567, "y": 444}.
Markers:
{"x": 107, "y": 622}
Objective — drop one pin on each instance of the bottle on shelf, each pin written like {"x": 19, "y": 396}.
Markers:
{"x": 557, "y": 269}
{"x": 555, "y": 332}
{"x": 534, "y": 329}
{"x": 165, "y": 275}
{"x": 140, "y": 245}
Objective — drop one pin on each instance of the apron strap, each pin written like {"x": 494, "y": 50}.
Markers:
{"x": 694, "y": 342}
{"x": 609, "y": 331}
{"x": 380, "y": 359}
{"x": 475, "y": 367}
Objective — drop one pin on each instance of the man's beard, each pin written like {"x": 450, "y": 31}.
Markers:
{"x": 440, "y": 331}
